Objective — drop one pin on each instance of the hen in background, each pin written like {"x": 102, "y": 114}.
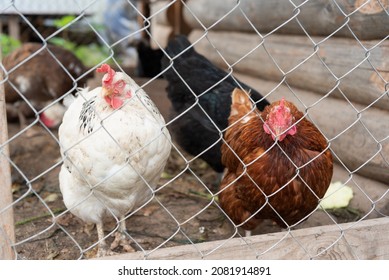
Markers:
{"x": 41, "y": 80}
{"x": 115, "y": 146}
{"x": 149, "y": 60}
{"x": 278, "y": 164}
{"x": 194, "y": 131}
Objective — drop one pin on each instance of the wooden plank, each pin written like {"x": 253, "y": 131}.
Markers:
{"x": 7, "y": 234}
{"x": 354, "y": 146}
{"x": 360, "y": 240}
{"x": 319, "y": 17}
{"x": 362, "y": 84}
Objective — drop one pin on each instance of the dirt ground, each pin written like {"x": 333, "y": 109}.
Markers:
{"x": 182, "y": 211}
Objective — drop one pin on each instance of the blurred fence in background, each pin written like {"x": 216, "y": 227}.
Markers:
{"x": 329, "y": 57}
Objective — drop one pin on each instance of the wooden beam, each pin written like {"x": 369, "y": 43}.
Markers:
{"x": 365, "y": 240}
{"x": 14, "y": 26}
{"x": 175, "y": 19}
{"x": 319, "y": 18}
{"x": 303, "y": 64}
{"x": 7, "y": 231}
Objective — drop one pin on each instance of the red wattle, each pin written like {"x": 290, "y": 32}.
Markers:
{"x": 114, "y": 102}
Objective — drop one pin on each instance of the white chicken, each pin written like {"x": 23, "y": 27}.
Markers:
{"x": 114, "y": 145}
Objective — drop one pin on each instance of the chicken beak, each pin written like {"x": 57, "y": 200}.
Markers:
{"x": 278, "y": 132}
{"x": 107, "y": 92}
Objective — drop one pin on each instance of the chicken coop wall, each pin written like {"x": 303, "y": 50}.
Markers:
{"x": 327, "y": 57}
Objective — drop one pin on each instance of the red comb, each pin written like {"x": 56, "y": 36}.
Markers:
{"x": 282, "y": 102}
{"x": 280, "y": 108}
{"x": 105, "y": 68}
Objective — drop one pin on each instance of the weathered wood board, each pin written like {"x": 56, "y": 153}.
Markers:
{"x": 7, "y": 233}
{"x": 366, "y": 240}
{"x": 320, "y": 17}
{"x": 337, "y": 67}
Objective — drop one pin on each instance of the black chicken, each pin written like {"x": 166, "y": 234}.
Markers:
{"x": 149, "y": 63}
{"x": 198, "y": 129}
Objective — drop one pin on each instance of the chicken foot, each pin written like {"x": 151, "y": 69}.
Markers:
{"x": 121, "y": 238}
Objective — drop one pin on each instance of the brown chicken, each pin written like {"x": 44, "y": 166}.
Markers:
{"x": 278, "y": 164}
{"x": 41, "y": 80}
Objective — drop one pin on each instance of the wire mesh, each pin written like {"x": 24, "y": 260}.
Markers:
{"x": 338, "y": 80}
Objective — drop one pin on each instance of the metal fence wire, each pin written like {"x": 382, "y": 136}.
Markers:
{"x": 328, "y": 57}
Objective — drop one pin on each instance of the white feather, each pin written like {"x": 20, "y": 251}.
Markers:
{"x": 115, "y": 167}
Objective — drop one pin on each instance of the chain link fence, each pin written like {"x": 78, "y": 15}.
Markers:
{"x": 328, "y": 57}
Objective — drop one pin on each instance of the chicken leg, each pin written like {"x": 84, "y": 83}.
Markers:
{"x": 103, "y": 249}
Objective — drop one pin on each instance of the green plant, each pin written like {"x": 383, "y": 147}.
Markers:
{"x": 61, "y": 22}
{"x": 90, "y": 55}
{"x": 8, "y": 44}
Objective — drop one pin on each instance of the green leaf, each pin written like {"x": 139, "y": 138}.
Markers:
{"x": 63, "y": 43}
{"x": 91, "y": 54}
{"x": 8, "y": 44}
{"x": 63, "y": 21}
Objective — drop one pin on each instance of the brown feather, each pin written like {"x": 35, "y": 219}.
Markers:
{"x": 283, "y": 181}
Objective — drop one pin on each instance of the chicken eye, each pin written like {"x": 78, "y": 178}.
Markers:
{"x": 120, "y": 84}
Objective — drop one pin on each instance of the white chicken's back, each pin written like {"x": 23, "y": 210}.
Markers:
{"x": 112, "y": 159}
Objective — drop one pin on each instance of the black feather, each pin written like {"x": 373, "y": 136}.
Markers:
{"x": 207, "y": 86}
{"x": 149, "y": 63}
{"x": 87, "y": 115}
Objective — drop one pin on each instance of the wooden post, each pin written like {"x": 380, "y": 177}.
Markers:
{"x": 177, "y": 17}
{"x": 176, "y": 20}
{"x": 144, "y": 9}
{"x": 7, "y": 232}
{"x": 14, "y": 27}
